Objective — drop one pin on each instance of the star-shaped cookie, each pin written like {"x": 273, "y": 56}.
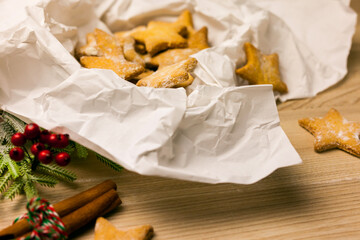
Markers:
{"x": 109, "y": 54}
{"x": 261, "y": 69}
{"x": 104, "y": 230}
{"x": 176, "y": 75}
{"x": 160, "y": 36}
{"x": 333, "y": 131}
{"x": 196, "y": 42}
{"x": 199, "y": 39}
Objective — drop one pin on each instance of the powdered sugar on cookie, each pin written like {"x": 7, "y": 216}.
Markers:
{"x": 333, "y": 131}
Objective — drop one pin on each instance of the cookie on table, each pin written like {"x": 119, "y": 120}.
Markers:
{"x": 333, "y": 131}
{"x": 104, "y": 230}
{"x": 261, "y": 69}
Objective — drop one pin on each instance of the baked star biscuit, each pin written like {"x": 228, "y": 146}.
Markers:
{"x": 261, "y": 69}
{"x": 199, "y": 39}
{"x": 104, "y": 230}
{"x": 333, "y": 131}
{"x": 185, "y": 19}
{"x": 110, "y": 55}
{"x": 128, "y": 33}
{"x": 170, "y": 76}
{"x": 90, "y": 48}
{"x": 196, "y": 42}
{"x": 139, "y": 47}
{"x": 171, "y": 56}
{"x": 130, "y": 54}
{"x": 124, "y": 69}
{"x": 159, "y": 36}
{"x": 186, "y": 83}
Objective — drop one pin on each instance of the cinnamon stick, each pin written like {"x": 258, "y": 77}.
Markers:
{"x": 113, "y": 205}
{"x": 89, "y": 212}
{"x": 63, "y": 208}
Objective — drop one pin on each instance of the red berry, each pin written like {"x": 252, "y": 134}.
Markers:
{"x": 62, "y": 159}
{"x": 63, "y": 140}
{"x": 44, "y": 136}
{"x": 16, "y": 154}
{"x": 36, "y": 148}
{"x": 18, "y": 139}
{"x": 53, "y": 140}
{"x": 32, "y": 131}
{"x": 45, "y": 156}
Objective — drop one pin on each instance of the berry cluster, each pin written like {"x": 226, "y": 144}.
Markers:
{"x": 43, "y": 141}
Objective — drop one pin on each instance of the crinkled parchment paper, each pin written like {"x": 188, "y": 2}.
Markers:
{"x": 217, "y": 130}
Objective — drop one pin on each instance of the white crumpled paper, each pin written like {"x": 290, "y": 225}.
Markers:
{"x": 215, "y": 131}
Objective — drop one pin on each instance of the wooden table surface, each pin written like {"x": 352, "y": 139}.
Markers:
{"x": 319, "y": 199}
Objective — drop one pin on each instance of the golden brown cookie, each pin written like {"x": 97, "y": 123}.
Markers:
{"x": 261, "y": 69}
{"x": 124, "y": 69}
{"x": 172, "y": 56}
{"x": 159, "y": 36}
{"x": 139, "y": 47}
{"x": 128, "y": 33}
{"x": 199, "y": 39}
{"x": 186, "y": 83}
{"x": 143, "y": 75}
{"x": 333, "y": 131}
{"x": 110, "y": 55}
{"x": 130, "y": 54}
{"x": 170, "y": 76}
{"x": 104, "y": 230}
{"x": 185, "y": 19}
{"x": 90, "y": 48}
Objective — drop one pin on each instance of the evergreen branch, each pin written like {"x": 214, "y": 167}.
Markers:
{"x": 68, "y": 149}
{"x": 57, "y": 171}
{"x": 11, "y": 166}
{"x": 15, "y": 189}
{"x": 4, "y": 181}
{"x": 44, "y": 180}
{"x": 2, "y": 164}
{"x": 24, "y": 167}
{"x": 30, "y": 190}
{"x": 7, "y": 129}
{"x": 81, "y": 151}
{"x": 17, "y": 124}
{"x": 109, "y": 163}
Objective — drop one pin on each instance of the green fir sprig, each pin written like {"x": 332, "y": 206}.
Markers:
{"x": 23, "y": 176}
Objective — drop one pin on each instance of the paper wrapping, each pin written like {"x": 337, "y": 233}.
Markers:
{"x": 218, "y": 129}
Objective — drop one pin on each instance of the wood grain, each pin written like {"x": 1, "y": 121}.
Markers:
{"x": 319, "y": 199}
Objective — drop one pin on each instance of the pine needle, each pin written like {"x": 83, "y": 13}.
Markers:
{"x": 24, "y": 167}
{"x": 68, "y": 149}
{"x": 15, "y": 189}
{"x": 58, "y": 172}
{"x": 81, "y": 151}
{"x": 11, "y": 166}
{"x": 15, "y": 122}
{"x": 30, "y": 190}
{"x": 44, "y": 180}
{"x": 8, "y": 129}
{"x": 2, "y": 165}
{"x": 109, "y": 163}
{"x": 4, "y": 181}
